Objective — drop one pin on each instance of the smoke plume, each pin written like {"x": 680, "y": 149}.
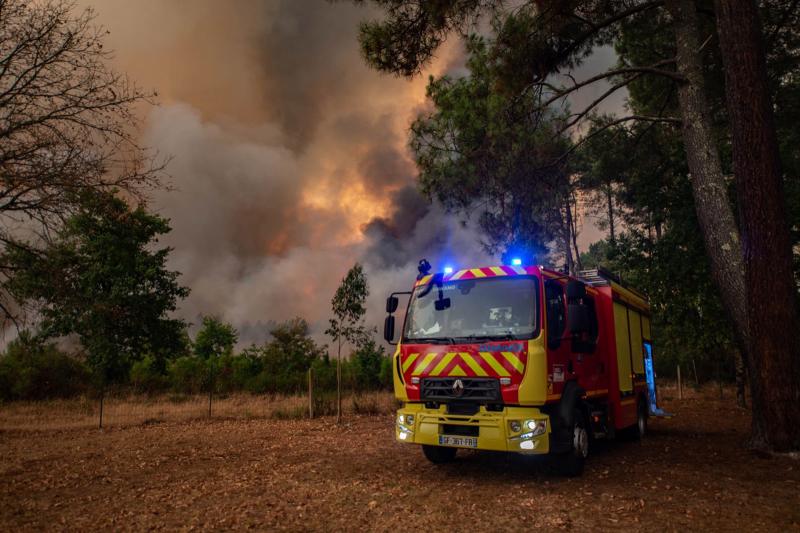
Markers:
{"x": 288, "y": 156}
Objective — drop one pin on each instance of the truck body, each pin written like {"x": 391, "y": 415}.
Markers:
{"x": 521, "y": 359}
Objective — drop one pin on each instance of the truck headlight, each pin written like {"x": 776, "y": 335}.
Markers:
{"x": 515, "y": 426}
{"x": 401, "y": 419}
{"x": 410, "y": 420}
{"x": 536, "y": 427}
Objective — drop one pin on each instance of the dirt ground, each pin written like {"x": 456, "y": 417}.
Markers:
{"x": 692, "y": 472}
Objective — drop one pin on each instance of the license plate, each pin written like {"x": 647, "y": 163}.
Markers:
{"x": 462, "y": 442}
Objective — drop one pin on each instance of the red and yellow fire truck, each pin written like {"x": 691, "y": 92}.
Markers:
{"x": 521, "y": 359}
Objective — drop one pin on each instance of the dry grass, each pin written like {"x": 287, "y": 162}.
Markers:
{"x": 692, "y": 473}
{"x": 80, "y": 413}
{"x": 135, "y": 410}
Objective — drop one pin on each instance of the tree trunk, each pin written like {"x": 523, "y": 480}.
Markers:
{"x": 339, "y": 383}
{"x": 574, "y": 237}
{"x": 610, "y": 206}
{"x": 741, "y": 401}
{"x": 713, "y": 207}
{"x": 568, "y": 238}
{"x": 766, "y": 243}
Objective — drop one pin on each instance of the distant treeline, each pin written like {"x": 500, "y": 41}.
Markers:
{"x": 31, "y": 369}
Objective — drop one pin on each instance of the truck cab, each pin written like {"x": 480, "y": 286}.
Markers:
{"x": 520, "y": 359}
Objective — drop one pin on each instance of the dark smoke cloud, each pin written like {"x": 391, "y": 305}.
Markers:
{"x": 288, "y": 155}
{"x": 389, "y": 236}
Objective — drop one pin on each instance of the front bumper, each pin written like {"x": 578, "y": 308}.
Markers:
{"x": 494, "y": 431}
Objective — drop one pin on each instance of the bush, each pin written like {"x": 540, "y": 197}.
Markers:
{"x": 188, "y": 375}
{"x": 287, "y": 358}
{"x": 32, "y": 370}
{"x": 146, "y": 376}
{"x": 365, "y": 366}
{"x": 324, "y": 371}
{"x": 237, "y": 372}
{"x": 386, "y": 377}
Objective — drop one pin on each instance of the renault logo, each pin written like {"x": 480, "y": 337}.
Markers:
{"x": 458, "y": 388}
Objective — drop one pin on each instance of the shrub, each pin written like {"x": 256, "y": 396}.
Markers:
{"x": 146, "y": 376}
{"x": 188, "y": 375}
{"x": 365, "y": 366}
{"x": 324, "y": 370}
{"x": 386, "y": 378}
{"x": 235, "y": 372}
{"x": 288, "y": 356}
{"x": 33, "y": 370}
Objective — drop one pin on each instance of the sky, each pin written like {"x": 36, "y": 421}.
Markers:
{"x": 288, "y": 157}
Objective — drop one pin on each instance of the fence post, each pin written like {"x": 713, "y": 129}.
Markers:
{"x": 102, "y": 397}
{"x": 680, "y": 386}
{"x": 210, "y": 384}
{"x": 310, "y": 393}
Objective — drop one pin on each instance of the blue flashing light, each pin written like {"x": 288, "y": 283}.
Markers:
{"x": 448, "y": 270}
{"x": 516, "y": 262}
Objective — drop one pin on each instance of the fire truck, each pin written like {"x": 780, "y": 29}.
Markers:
{"x": 522, "y": 359}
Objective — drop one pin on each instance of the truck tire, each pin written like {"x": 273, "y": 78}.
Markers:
{"x": 438, "y": 454}
{"x": 639, "y": 429}
{"x": 571, "y": 463}
{"x": 641, "y": 418}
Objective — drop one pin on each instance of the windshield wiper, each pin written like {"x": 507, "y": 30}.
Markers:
{"x": 432, "y": 340}
{"x": 500, "y": 337}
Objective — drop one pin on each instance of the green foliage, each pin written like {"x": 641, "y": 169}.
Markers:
{"x": 348, "y": 306}
{"x": 365, "y": 366}
{"x": 34, "y": 370}
{"x": 324, "y": 371}
{"x": 215, "y": 338}
{"x": 287, "y": 358}
{"x": 189, "y": 375}
{"x": 385, "y": 375}
{"x": 406, "y": 40}
{"x": 239, "y": 372}
{"x": 491, "y": 154}
{"x": 102, "y": 280}
{"x": 661, "y": 251}
{"x": 147, "y": 377}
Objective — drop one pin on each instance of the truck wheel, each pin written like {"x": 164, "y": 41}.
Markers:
{"x": 438, "y": 454}
{"x": 571, "y": 463}
{"x": 639, "y": 429}
{"x": 641, "y": 419}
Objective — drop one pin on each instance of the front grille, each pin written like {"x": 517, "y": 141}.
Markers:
{"x": 471, "y": 389}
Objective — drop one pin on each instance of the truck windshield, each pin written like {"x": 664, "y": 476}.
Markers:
{"x": 480, "y": 309}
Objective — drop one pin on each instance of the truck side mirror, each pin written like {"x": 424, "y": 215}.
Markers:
{"x": 577, "y": 319}
{"x": 391, "y": 304}
{"x": 388, "y": 329}
{"x": 442, "y": 304}
{"x": 576, "y": 290}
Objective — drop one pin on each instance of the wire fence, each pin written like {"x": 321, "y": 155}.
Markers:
{"x": 122, "y": 410}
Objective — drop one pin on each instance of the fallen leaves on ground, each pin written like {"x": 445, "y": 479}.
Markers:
{"x": 691, "y": 472}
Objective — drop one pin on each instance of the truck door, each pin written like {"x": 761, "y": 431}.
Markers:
{"x": 622, "y": 334}
{"x": 637, "y": 353}
{"x": 558, "y": 355}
